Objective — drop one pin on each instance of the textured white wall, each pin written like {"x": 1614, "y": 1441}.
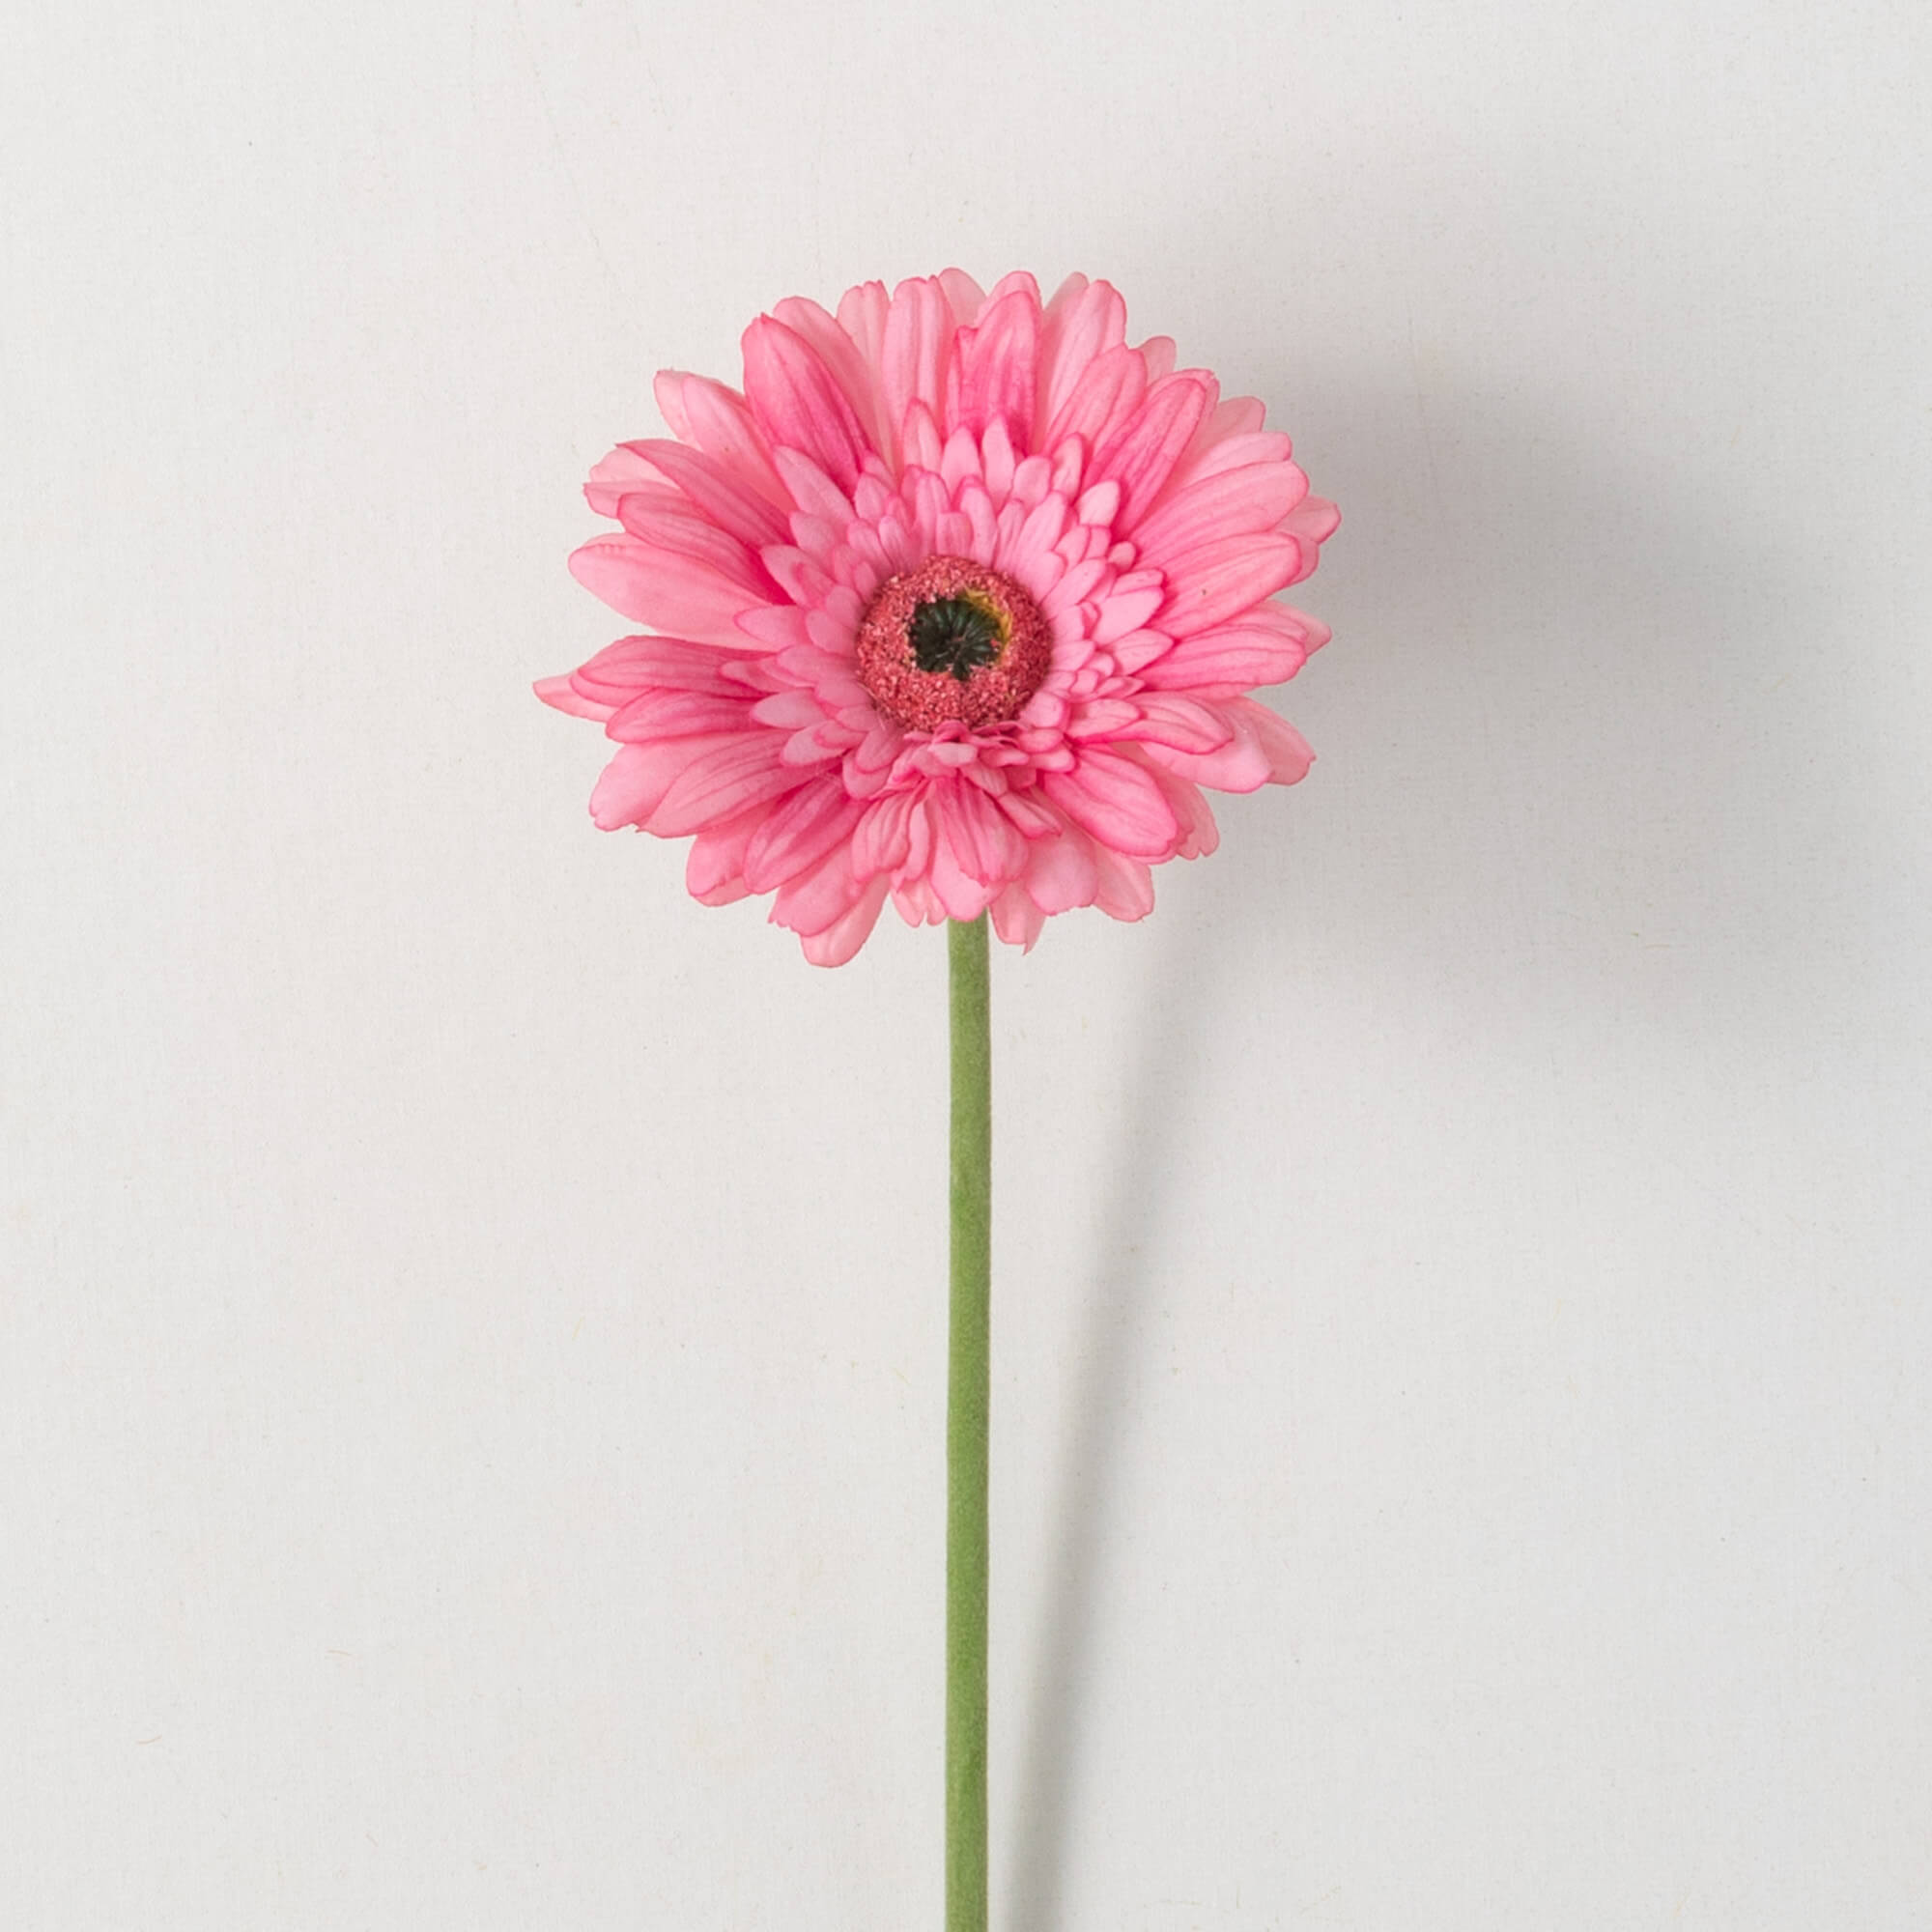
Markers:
{"x": 470, "y": 1337}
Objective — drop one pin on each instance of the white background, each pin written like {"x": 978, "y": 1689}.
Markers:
{"x": 470, "y": 1350}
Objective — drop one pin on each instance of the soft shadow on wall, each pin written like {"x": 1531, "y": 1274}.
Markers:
{"x": 1563, "y": 732}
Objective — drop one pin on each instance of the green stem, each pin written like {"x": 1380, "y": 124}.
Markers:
{"x": 968, "y": 1407}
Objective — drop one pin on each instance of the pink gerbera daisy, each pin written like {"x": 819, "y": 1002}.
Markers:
{"x": 959, "y": 602}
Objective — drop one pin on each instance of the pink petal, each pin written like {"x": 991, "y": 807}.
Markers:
{"x": 1062, "y": 872}
{"x": 799, "y": 832}
{"x": 657, "y": 586}
{"x": 1142, "y": 450}
{"x": 674, "y": 527}
{"x": 882, "y": 838}
{"x": 917, "y": 350}
{"x": 842, "y": 356}
{"x": 775, "y": 627}
{"x": 1263, "y": 751}
{"x": 862, "y": 315}
{"x": 1199, "y": 833}
{"x": 638, "y": 583}
{"x": 1182, "y": 723}
{"x": 992, "y": 376}
{"x": 1158, "y": 352}
{"x": 1232, "y": 416}
{"x": 982, "y": 838}
{"x": 621, "y": 670}
{"x": 1114, "y": 799}
{"x": 1235, "y": 451}
{"x": 679, "y": 714}
{"x": 1019, "y": 279}
{"x": 1083, "y": 320}
{"x": 1211, "y": 583}
{"x": 721, "y": 780}
{"x": 1232, "y": 503}
{"x": 717, "y": 420}
{"x": 1108, "y": 393}
{"x": 796, "y": 401}
{"x": 720, "y": 494}
{"x": 1266, "y": 645}
{"x": 818, "y": 897}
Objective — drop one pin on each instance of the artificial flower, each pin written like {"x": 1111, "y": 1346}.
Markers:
{"x": 957, "y": 602}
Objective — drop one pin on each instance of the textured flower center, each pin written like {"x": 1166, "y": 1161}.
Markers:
{"x": 952, "y": 642}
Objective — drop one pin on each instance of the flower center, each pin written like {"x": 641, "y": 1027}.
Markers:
{"x": 952, "y": 642}
{"x": 957, "y": 635}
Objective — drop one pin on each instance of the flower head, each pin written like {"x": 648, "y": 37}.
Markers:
{"x": 957, "y": 602}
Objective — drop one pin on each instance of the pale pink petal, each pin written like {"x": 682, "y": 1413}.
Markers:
{"x": 843, "y": 937}
{"x": 627, "y": 468}
{"x": 1016, "y": 919}
{"x": 1317, "y": 520}
{"x": 630, "y": 786}
{"x": 687, "y": 537}
{"x": 986, "y": 841}
{"x": 560, "y": 694}
{"x": 667, "y": 385}
{"x": 1061, "y": 872}
{"x": 997, "y": 459}
{"x": 963, "y": 293}
{"x": 862, "y": 315}
{"x": 1288, "y": 751}
{"x": 1199, "y": 833}
{"x": 1019, "y": 279}
{"x": 1232, "y": 417}
{"x": 1124, "y": 889}
{"x": 1133, "y": 599}
{"x": 1158, "y": 352}
{"x": 811, "y": 490}
{"x": 791, "y": 710}
{"x": 713, "y": 874}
